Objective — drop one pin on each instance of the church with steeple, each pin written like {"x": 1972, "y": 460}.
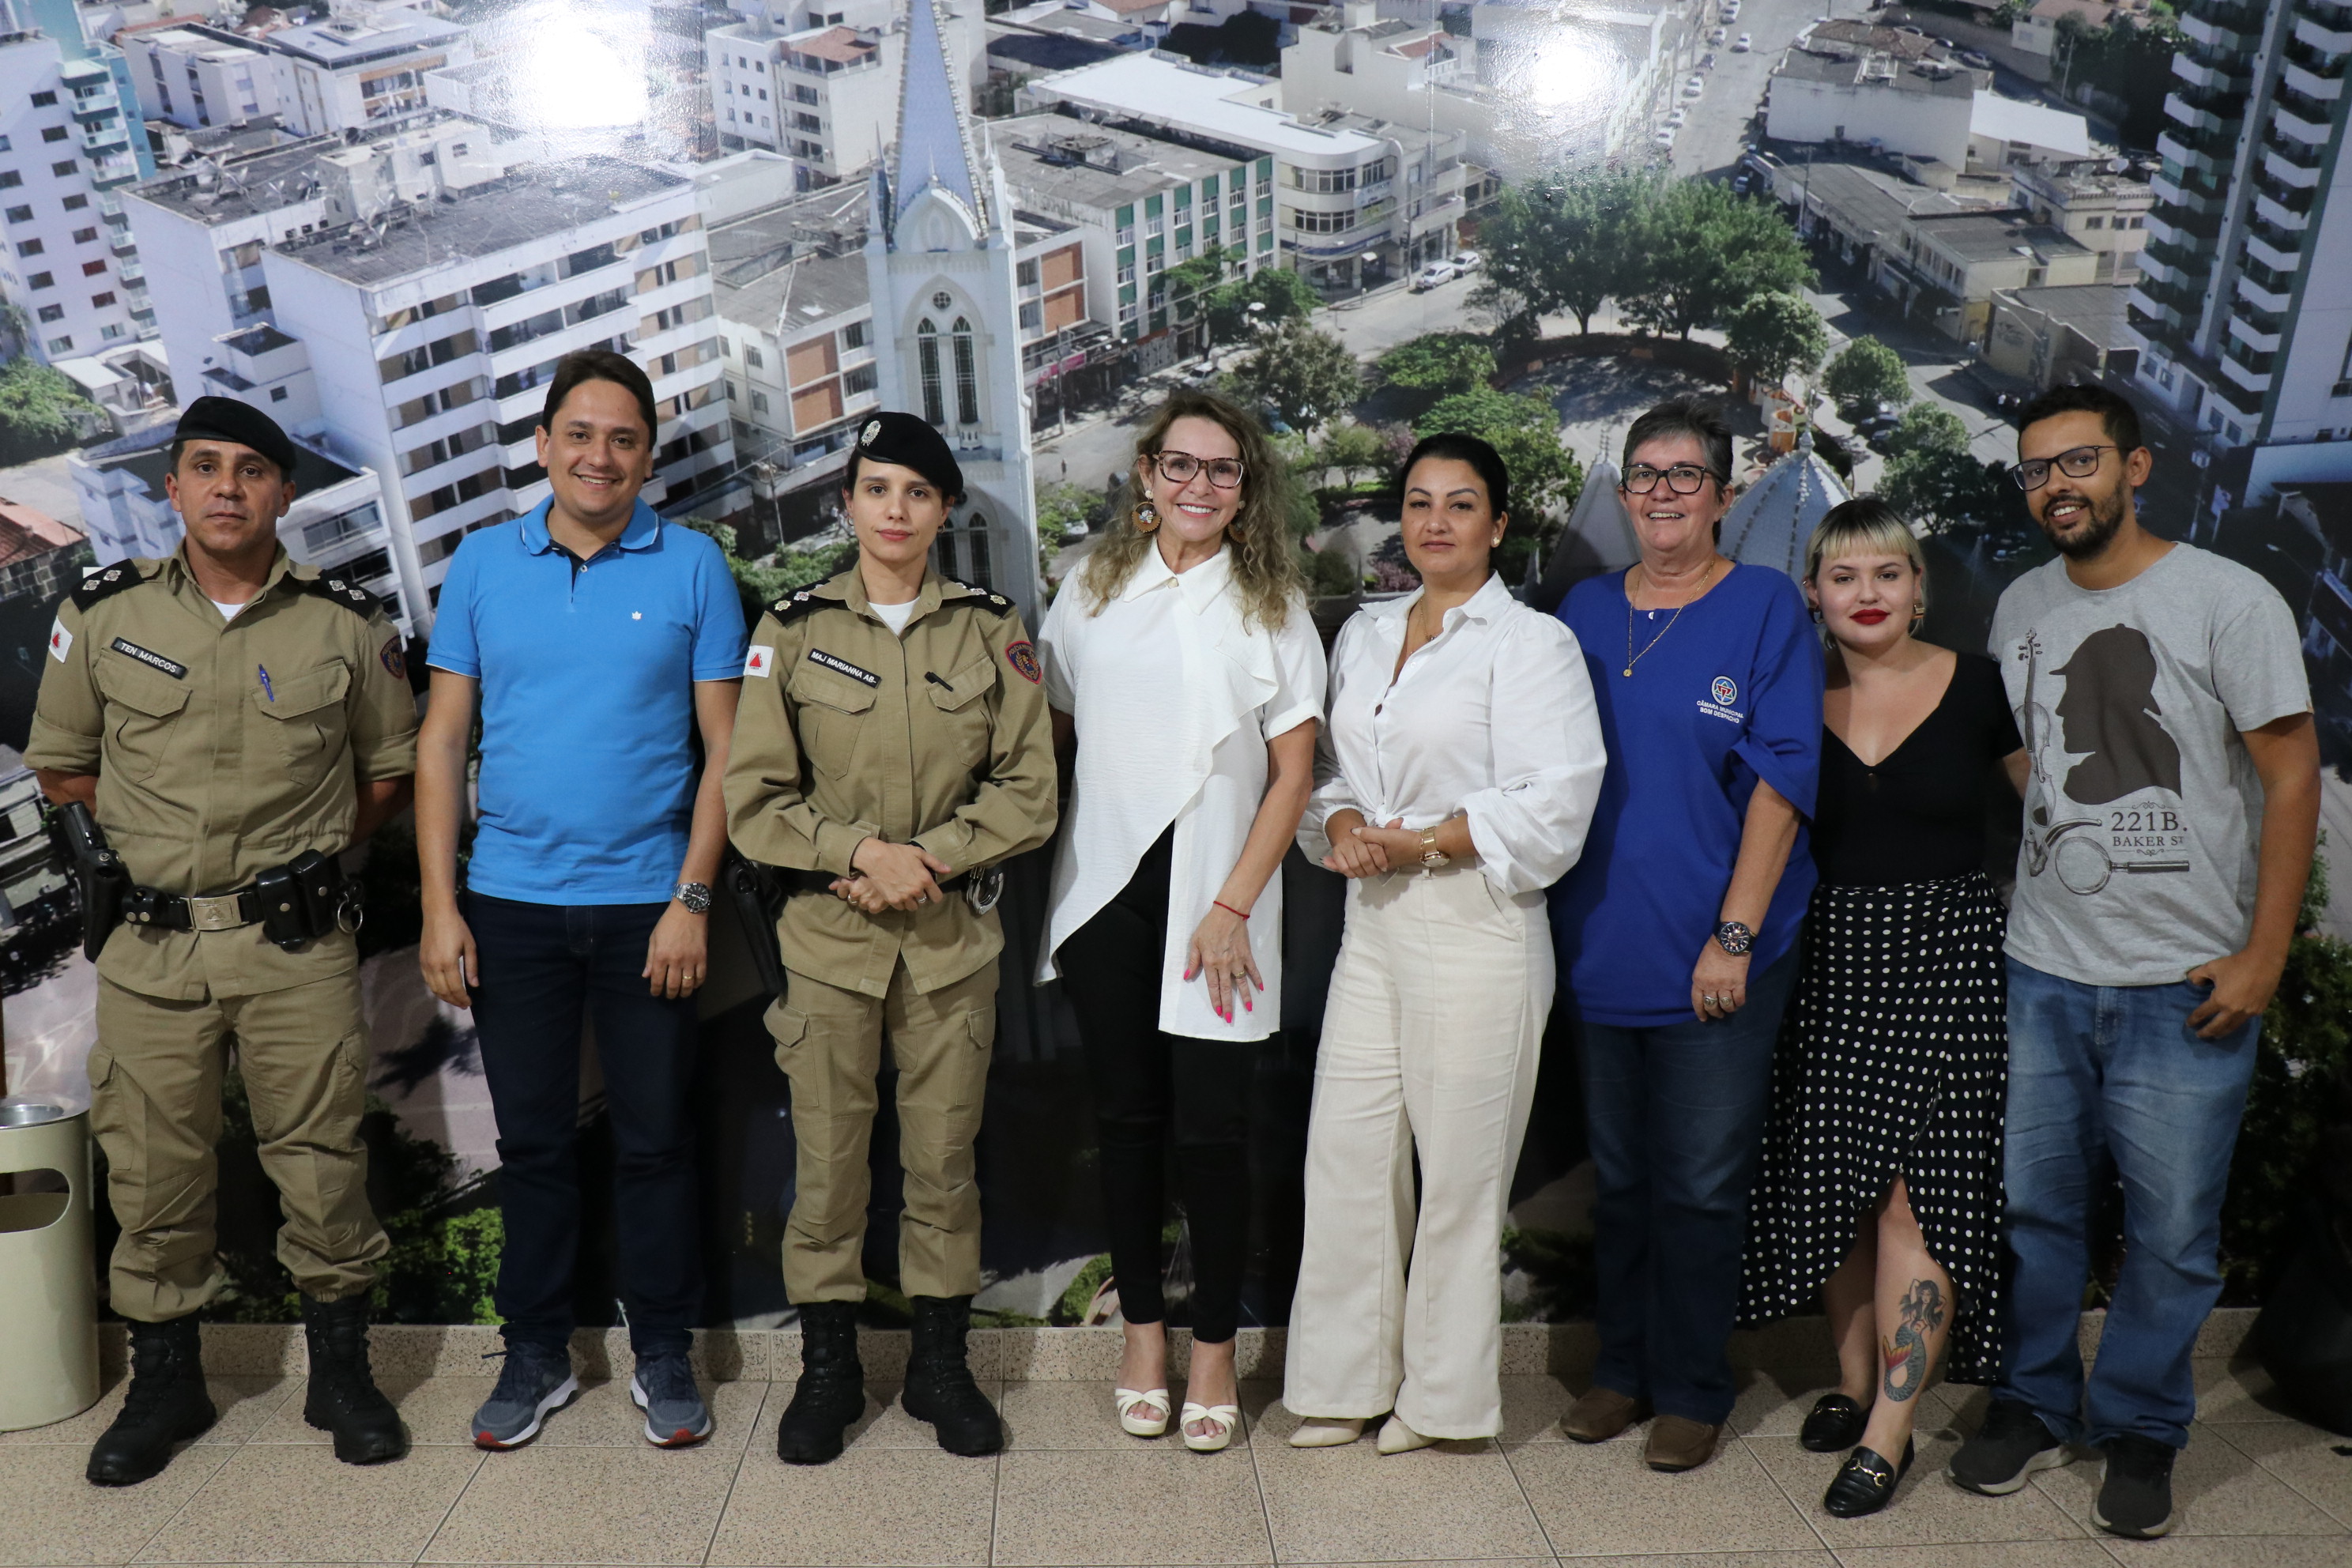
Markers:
{"x": 939, "y": 268}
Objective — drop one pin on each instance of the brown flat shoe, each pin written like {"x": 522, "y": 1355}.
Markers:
{"x": 1676, "y": 1444}
{"x": 1601, "y": 1415}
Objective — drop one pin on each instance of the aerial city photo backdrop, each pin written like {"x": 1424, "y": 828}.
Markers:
{"x": 1870, "y": 231}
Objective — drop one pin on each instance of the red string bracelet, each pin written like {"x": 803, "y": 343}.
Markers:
{"x": 1229, "y": 908}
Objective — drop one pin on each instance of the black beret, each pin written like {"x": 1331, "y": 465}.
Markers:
{"x": 903, "y": 439}
{"x": 226, "y": 419}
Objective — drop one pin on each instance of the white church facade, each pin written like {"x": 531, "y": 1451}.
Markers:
{"x": 941, "y": 267}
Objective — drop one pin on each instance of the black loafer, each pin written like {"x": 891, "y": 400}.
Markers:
{"x": 1835, "y": 1424}
{"x": 1866, "y": 1482}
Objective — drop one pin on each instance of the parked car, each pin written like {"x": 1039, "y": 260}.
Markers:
{"x": 1731, "y": 10}
{"x": 1742, "y": 44}
{"x": 1678, "y": 117}
{"x": 1741, "y": 182}
{"x": 1693, "y": 86}
{"x": 1466, "y": 262}
{"x": 1717, "y": 36}
{"x": 1707, "y": 62}
{"x": 1983, "y": 63}
{"x": 1431, "y": 276}
{"x": 1662, "y": 139}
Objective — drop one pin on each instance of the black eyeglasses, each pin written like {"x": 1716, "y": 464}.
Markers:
{"x": 1682, "y": 479}
{"x": 1178, "y": 468}
{"x": 2076, "y": 463}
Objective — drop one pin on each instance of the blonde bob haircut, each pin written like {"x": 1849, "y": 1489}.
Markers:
{"x": 1864, "y": 526}
{"x": 1265, "y": 562}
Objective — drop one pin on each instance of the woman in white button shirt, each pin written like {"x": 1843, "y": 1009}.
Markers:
{"x": 1183, "y": 660}
{"x": 1453, "y": 784}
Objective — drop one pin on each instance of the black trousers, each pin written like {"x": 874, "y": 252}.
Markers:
{"x": 543, "y": 966}
{"x": 1151, "y": 1088}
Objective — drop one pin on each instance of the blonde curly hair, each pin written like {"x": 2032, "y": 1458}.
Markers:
{"x": 1264, "y": 561}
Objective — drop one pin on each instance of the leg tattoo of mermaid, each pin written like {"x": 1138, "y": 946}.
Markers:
{"x": 1921, "y": 1314}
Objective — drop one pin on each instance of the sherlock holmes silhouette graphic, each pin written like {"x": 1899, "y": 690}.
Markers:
{"x": 2110, "y": 711}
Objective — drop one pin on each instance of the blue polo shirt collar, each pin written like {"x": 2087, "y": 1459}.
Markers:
{"x": 642, "y": 533}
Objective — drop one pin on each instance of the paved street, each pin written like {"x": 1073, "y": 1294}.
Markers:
{"x": 1716, "y": 122}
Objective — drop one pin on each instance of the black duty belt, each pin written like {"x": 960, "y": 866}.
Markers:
{"x": 303, "y": 900}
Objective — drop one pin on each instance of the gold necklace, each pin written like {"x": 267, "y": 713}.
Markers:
{"x": 1633, "y": 659}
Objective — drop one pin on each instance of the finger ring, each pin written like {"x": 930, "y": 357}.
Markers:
{"x": 1710, "y": 998}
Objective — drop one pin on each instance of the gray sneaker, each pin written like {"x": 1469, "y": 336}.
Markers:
{"x": 663, "y": 1386}
{"x": 537, "y": 1383}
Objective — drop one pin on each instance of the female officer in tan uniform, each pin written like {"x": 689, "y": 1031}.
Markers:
{"x": 892, "y": 747}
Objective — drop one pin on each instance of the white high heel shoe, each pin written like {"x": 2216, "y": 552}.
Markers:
{"x": 1327, "y": 1431}
{"x": 1396, "y": 1437}
{"x": 1222, "y": 1420}
{"x": 1143, "y": 1411}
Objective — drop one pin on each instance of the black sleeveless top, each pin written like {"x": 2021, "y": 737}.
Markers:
{"x": 1920, "y": 815}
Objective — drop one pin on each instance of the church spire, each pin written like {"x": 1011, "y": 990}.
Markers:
{"x": 935, "y": 145}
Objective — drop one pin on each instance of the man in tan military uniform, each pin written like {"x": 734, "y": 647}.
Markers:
{"x": 223, "y": 711}
{"x": 889, "y": 768}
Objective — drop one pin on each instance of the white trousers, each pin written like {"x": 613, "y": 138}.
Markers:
{"x": 1430, "y": 1041}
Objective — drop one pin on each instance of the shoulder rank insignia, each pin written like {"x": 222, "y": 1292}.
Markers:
{"x": 106, "y": 583}
{"x": 794, "y": 605}
{"x": 980, "y": 597}
{"x": 340, "y": 590}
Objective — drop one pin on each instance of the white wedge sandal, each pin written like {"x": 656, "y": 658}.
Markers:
{"x": 1223, "y": 1418}
{"x": 1143, "y": 1411}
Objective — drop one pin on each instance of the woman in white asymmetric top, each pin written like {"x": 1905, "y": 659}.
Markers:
{"x": 1182, "y": 665}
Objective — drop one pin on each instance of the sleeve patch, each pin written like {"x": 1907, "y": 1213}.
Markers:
{"x": 60, "y": 640}
{"x": 393, "y": 658}
{"x": 1024, "y": 659}
{"x": 760, "y": 661}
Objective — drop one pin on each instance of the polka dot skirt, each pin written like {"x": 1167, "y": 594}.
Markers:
{"x": 1893, "y": 1061}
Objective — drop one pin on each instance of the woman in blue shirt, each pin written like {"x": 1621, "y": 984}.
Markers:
{"x": 1677, "y": 930}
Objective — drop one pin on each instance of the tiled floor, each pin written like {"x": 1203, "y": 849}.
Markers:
{"x": 2255, "y": 1488}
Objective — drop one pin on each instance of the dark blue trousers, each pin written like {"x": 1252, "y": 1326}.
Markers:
{"x": 544, "y": 969}
{"x": 1676, "y": 1120}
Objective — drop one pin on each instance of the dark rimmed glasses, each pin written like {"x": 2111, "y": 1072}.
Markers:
{"x": 2076, "y": 463}
{"x": 1178, "y": 468}
{"x": 1682, "y": 479}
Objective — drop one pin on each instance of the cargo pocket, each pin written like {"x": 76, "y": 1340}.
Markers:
{"x": 145, "y": 707}
{"x": 788, "y": 1029}
{"x": 982, "y": 1023}
{"x": 310, "y": 721}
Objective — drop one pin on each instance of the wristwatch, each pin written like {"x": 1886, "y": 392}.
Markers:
{"x": 695, "y": 896}
{"x": 1431, "y": 855}
{"x": 1734, "y": 938}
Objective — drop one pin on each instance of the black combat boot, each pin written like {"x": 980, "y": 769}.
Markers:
{"x": 940, "y": 1388}
{"x": 831, "y": 1393}
{"x": 343, "y": 1397}
{"x": 167, "y": 1404}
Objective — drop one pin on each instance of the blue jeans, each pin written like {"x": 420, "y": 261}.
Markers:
{"x": 2100, "y": 1073}
{"x": 544, "y": 967}
{"x": 1677, "y": 1120}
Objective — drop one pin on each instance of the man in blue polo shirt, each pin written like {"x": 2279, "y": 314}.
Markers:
{"x": 598, "y": 640}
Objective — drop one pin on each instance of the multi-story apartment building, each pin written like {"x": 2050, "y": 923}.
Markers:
{"x": 1352, "y": 200}
{"x": 71, "y": 276}
{"x": 1137, "y": 205}
{"x": 359, "y": 70}
{"x": 2244, "y": 297}
{"x": 419, "y": 284}
{"x": 199, "y": 76}
{"x": 819, "y": 81}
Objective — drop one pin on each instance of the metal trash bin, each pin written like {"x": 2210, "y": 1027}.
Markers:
{"x": 48, "y": 1285}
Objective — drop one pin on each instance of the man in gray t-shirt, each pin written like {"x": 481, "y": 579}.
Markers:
{"x": 2171, "y": 814}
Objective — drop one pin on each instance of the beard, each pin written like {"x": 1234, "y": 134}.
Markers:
{"x": 2090, "y": 538}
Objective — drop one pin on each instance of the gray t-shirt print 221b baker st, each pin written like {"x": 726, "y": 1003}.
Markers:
{"x": 2143, "y": 811}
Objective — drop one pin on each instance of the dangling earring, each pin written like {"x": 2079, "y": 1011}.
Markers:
{"x": 1147, "y": 517}
{"x": 1816, "y": 612}
{"x": 1918, "y": 612}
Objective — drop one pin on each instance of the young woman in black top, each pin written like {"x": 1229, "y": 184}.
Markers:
{"x": 1880, "y": 1191}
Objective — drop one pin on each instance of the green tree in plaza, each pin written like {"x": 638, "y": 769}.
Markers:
{"x": 1775, "y": 336}
{"x": 1305, "y": 374}
{"x": 1059, "y": 507}
{"x": 1947, "y": 488}
{"x": 1285, "y": 295}
{"x": 1700, "y": 252}
{"x": 1354, "y": 449}
{"x": 41, "y": 411}
{"x": 1437, "y": 365}
{"x": 1524, "y": 429}
{"x": 1567, "y": 241}
{"x": 1866, "y": 373}
{"x": 1190, "y": 284}
{"x": 1927, "y": 428}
